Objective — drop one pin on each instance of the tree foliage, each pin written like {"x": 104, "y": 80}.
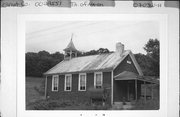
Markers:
{"x": 145, "y": 63}
{"x": 149, "y": 63}
{"x": 94, "y": 52}
{"x": 38, "y": 63}
{"x": 152, "y": 49}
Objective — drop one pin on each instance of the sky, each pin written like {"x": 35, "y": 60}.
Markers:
{"x": 54, "y": 36}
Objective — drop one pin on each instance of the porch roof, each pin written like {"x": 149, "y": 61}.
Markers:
{"x": 127, "y": 75}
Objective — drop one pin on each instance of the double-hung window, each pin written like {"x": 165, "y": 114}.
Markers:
{"x": 55, "y": 82}
{"x": 82, "y": 82}
{"x": 68, "y": 82}
{"x": 98, "y": 80}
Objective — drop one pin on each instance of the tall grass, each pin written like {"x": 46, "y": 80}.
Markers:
{"x": 64, "y": 105}
{"x": 148, "y": 105}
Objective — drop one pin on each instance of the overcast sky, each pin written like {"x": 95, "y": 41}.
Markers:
{"x": 89, "y": 35}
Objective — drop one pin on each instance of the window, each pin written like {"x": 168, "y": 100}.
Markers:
{"x": 82, "y": 82}
{"x": 68, "y": 82}
{"x": 98, "y": 80}
{"x": 55, "y": 80}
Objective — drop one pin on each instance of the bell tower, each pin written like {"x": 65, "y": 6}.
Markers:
{"x": 70, "y": 50}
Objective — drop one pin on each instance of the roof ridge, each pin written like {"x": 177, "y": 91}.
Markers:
{"x": 93, "y": 55}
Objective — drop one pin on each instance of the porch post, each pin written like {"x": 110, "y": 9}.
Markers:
{"x": 128, "y": 89}
{"x": 152, "y": 91}
{"x": 145, "y": 92}
{"x": 46, "y": 88}
{"x": 136, "y": 88}
{"x": 112, "y": 87}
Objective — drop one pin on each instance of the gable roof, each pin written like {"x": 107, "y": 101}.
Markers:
{"x": 126, "y": 74}
{"x": 101, "y": 62}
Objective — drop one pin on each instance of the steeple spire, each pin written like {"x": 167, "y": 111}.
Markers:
{"x": 72, "y": 36}
{"x": 71, "y": 46}
{"x": 70, "y": 50}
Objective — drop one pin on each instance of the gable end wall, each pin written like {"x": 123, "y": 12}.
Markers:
{"x": 124, "y": 66}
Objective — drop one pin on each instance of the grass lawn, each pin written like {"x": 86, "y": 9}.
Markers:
{"x": 35, "y": 100}
{"x": 34, "y": 90}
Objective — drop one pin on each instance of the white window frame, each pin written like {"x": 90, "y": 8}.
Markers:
{"x": 79, "y": 87}
{"x": 54, "y": 76}
{"x": 70, "y": 82}
{"x": 95, "y": 78}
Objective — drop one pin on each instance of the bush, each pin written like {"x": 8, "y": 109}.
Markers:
{"x": 100, "y": 107}
{"x": 64, "y": 105}
{"x": 49, "y": 104}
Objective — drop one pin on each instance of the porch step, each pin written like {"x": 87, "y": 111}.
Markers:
{"x": 121, "y": 106}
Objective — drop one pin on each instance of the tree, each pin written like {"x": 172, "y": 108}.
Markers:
{"x": 31, "y": 64}
{"x": 152, "y": 49}
{"x": 57, "y": 55}
{"x": 145, "y": 63}
{"x": 94, "y": 52}
{"x": 149, "y": 63}
{"x": 103, "y": 50}
{"x": 38, "y": 63}
{"x": 43, "y": 53}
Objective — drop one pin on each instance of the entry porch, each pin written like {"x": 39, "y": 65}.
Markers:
{"x": 129, "y": 87}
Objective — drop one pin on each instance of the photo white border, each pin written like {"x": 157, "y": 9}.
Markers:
{"x": 22, "y": 19}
